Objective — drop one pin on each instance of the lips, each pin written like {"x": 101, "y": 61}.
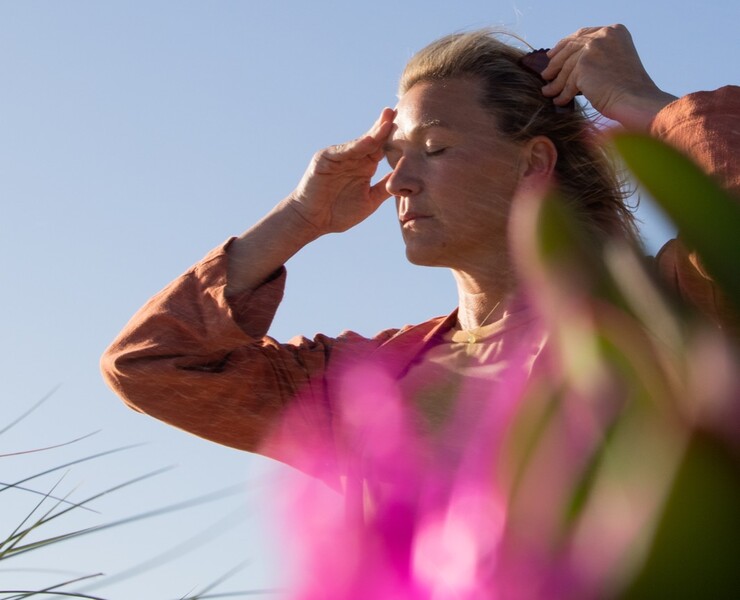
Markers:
{"x": 408, "y": 219}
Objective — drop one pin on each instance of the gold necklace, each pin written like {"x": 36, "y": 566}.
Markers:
{"x": 471, "y": 333}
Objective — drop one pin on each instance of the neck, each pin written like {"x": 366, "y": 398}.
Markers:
{"x": 482, "y": 299}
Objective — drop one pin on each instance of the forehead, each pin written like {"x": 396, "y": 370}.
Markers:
{"x": 453, "y": 103}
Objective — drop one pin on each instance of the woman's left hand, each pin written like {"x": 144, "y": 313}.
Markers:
{"x": 602, "y": 63}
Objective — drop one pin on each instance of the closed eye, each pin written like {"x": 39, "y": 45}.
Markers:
{"x": 435, "y": 151}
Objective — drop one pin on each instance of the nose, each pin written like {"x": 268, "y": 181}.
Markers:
{"x": 404, "y": 181}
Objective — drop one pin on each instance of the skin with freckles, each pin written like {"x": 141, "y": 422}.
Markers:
{"x": 453, "y": 176}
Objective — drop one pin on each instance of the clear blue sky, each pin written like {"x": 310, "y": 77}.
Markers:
{"x": 136, "y": 135}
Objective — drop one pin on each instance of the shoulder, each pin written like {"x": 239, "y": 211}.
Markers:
{"x": 417, "y": 331}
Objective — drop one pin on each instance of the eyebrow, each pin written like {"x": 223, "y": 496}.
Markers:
{"x": 418, "y": 129}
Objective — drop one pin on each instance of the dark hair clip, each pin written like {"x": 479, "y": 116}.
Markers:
{"x": 536, "y": 62}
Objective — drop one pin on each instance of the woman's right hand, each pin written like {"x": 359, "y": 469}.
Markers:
{"x": 335, "y": 192}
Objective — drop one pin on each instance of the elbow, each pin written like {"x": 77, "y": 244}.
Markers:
{"x": 116, "y": 372}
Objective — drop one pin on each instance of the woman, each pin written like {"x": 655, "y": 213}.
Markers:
{"x": 474, "y": 129}
{"x": 477, "y": 128}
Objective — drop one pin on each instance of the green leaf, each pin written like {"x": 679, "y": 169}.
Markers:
{"x": 695, "y": 549}
{"x": 707, "y": 216}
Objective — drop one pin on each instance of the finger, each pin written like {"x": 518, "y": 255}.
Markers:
{"x": 380, "y": 138}
{"x": 378, "y": 155}
{"x": 382, "y": 130}
{"x": 553, "y": 52}
{"x": 569, "y": 92}
{"x": 556, "y": 62}
{"x": 566, "y": 78}
{"x": 356, "y": 151}
{"x": 371, "y": 145}
{"x": 576, "y": 37}
{"x": 561, "y": 51}
{"x": 379, "y": 192}
{"x": 386, "y": 115}
{"x": 368, "y": 145}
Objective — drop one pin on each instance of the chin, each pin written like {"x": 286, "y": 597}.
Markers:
{"x": 423, "y": 257}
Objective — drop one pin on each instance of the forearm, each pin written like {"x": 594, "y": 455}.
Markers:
{"x": 639, "y": 110}
{"x": 265, "y": 247}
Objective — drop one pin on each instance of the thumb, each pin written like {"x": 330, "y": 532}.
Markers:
{"x": 378, "y": 192}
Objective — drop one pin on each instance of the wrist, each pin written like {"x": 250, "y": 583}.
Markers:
{"x": 638, "y": 111}
{"x": 304, "y": 227}
{"x": 307, "y": 224}
{"x": 266, "y": 246}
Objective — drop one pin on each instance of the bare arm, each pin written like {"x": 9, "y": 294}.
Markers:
{"x": 603, "y": 64}
{"x": 334, "y": 195}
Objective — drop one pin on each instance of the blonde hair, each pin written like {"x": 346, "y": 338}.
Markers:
{"x": 587, "y": 176}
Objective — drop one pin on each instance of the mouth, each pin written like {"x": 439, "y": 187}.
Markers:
{"x": 410, "y": 219}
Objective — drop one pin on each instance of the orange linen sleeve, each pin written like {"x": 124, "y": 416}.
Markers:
{"x": 706, "y": 127}
{"x": 194, "y": 359}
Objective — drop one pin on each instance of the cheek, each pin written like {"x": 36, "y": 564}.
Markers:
{"x": 485, "y": 201}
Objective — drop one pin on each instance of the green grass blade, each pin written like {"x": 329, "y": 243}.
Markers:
{"x": 212, "y": 497}
{"x": 19, "y": 533}
{"x": 27, "y": 594}
{"x": 29, "y": 411}
{"x": 45, "y": 448}
{"x": 47, "y": 496}
{"x": 214, "y": 584}
{"x": 53, "y": 588}
{"x": 49, "y": 517}
{"x": 192, "y": 544}
{"x": 65, "y": 465}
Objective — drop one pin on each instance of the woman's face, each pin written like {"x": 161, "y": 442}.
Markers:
{"x": 454, "y": 176}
